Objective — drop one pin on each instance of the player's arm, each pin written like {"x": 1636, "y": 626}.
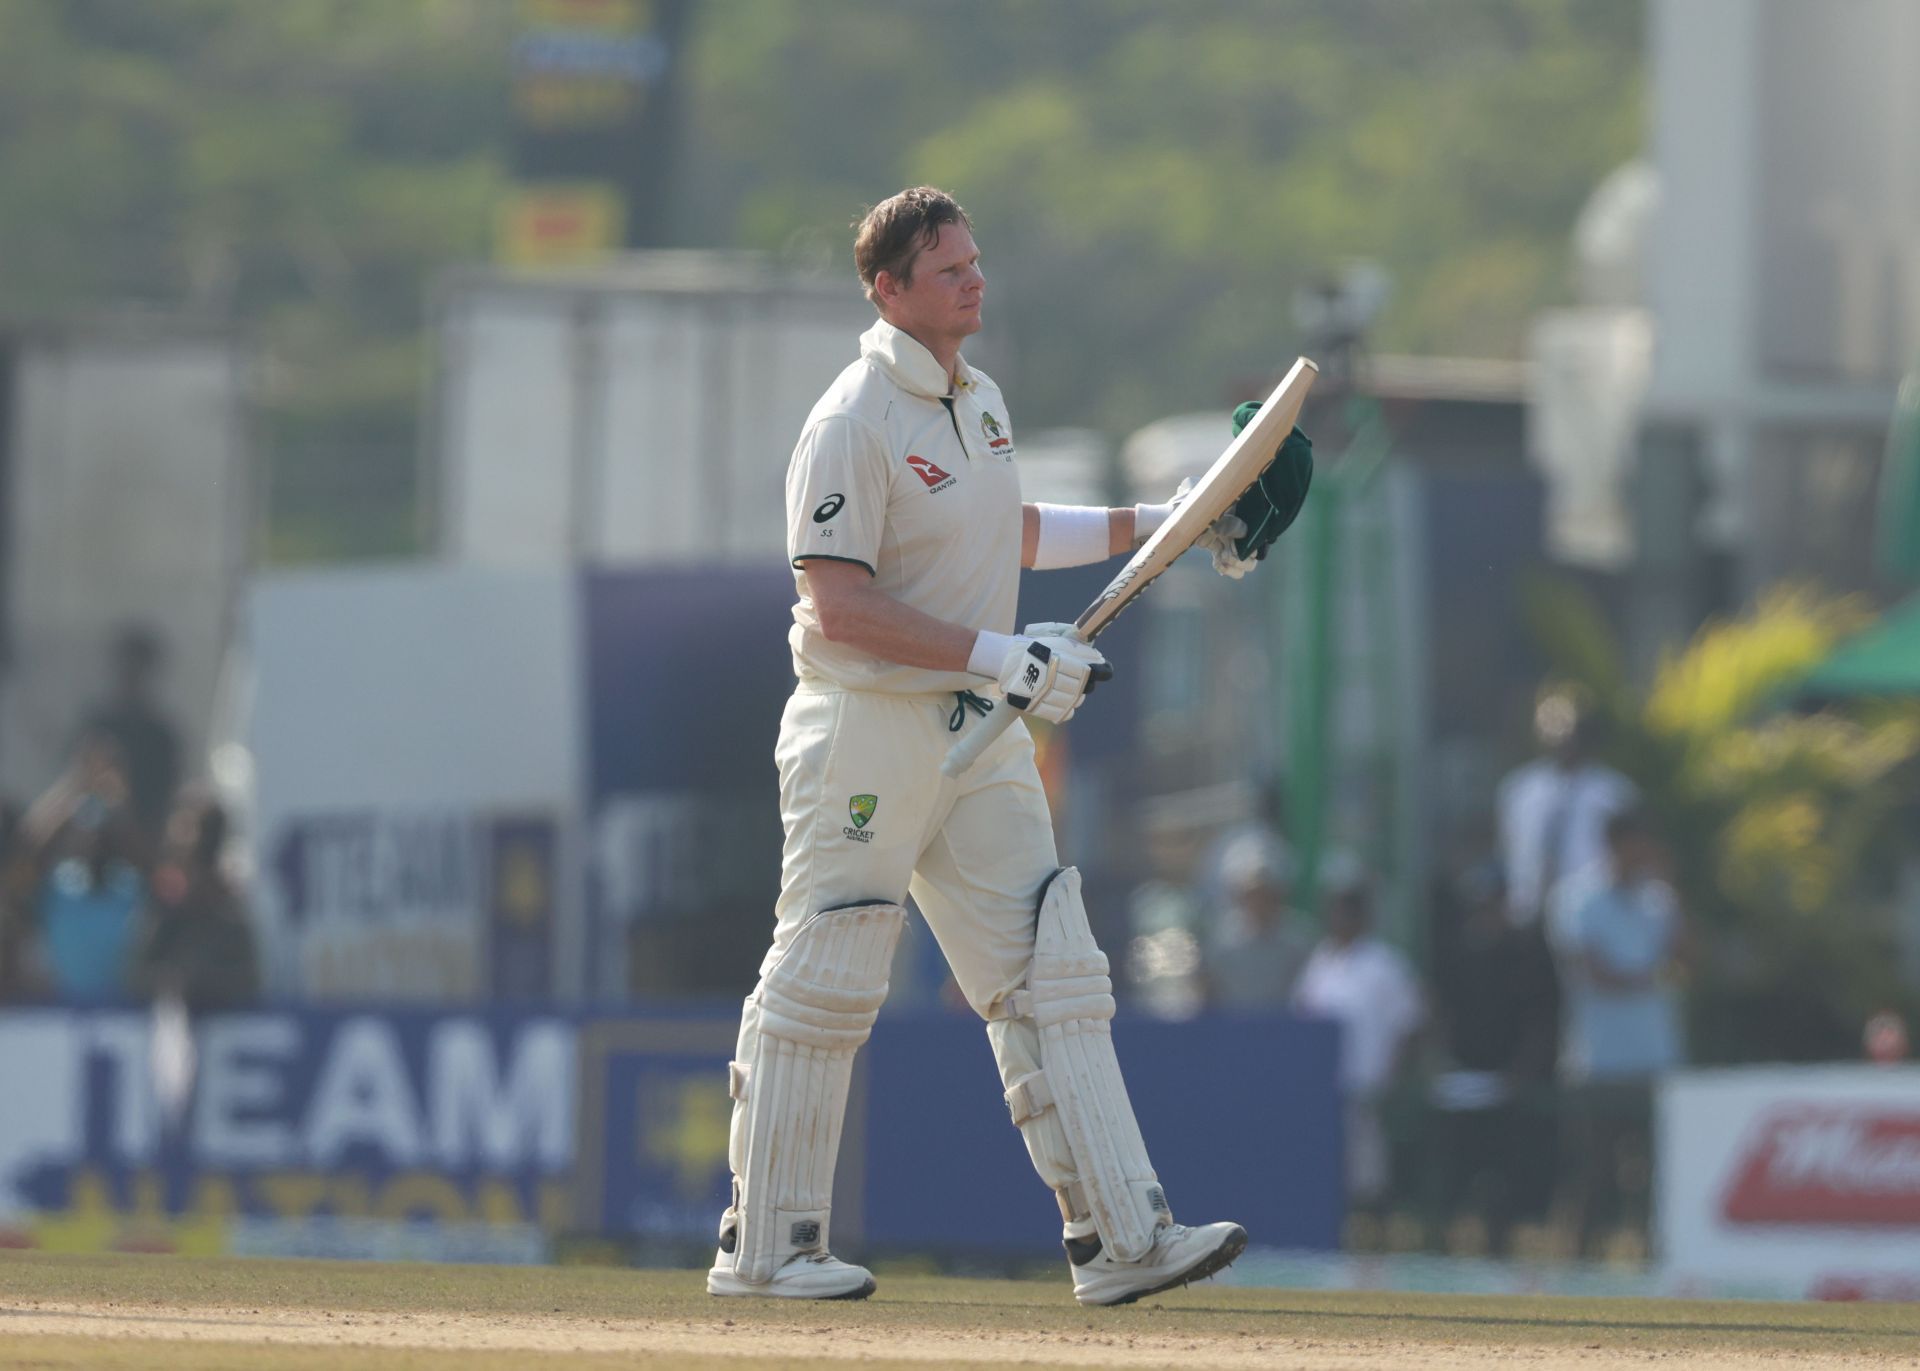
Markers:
{"x": 1072, "y": 535}
{"x": 853, "y": 611}
{"x": 1040, "y": 671}
{"x": 1054, "y": 536}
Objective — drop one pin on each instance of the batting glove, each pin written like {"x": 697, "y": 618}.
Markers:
{"x": 1046, "y": 674}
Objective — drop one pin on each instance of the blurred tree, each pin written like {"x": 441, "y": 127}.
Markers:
{"x": 295, "y": 169}
{"x": 1783, "y": 824}
{"x": 1152, "y": 181}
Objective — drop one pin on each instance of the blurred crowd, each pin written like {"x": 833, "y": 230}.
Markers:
{"x": 112, "y": 883}
{"x": 1511, "y": 1084}
{"x": 1497, "y": 1097}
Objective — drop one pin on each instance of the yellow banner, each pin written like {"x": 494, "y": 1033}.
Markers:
{"x": 562, "y": 224}
{"x": 624, "y": 16}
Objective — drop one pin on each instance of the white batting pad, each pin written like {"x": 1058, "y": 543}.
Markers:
{"x": 814, "y": 1008}
{"x": 1079, "y": 1076}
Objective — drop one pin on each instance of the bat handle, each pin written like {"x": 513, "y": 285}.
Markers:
{"x": 977, "y": 739}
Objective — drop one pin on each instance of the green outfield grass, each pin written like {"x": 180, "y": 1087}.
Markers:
{"x": 137, "y": 1311}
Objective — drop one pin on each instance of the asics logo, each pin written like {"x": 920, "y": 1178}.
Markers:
{"x": 828, "y": 508}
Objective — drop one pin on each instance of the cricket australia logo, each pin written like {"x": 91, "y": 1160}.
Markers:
{"x": 996, "y": 436}
{"x": 860, "y": 809}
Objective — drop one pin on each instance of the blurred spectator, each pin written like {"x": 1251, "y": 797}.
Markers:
{"x": 1163, "y": 955}
{"x": 195, "y": 942}
{"x": 1368, "y": 989}
{"x": 88, "y": 902}
{"x": 1553, "y": 810}
{"x": 92, "y": 792}
{"x": 148, "y": 742}
{"x": 1617, "y": 937}
{"x": 1261, "y": 824}
{"x": 1255, "y": 948}
{"x": 1163, "y": 963}
{"x": 1885, "y": 1038}
{"x": 1496, "y": 1007}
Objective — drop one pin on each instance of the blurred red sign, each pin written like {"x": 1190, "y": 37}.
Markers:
{"x": 1830, "y": 1166}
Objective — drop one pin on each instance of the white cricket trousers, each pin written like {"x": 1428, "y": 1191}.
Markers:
{"x": 870, "y": 819}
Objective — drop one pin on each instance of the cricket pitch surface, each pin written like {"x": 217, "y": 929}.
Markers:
{"x": 162, "y": 1313}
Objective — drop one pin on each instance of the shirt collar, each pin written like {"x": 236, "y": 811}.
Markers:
{"x": 910, "y": 365}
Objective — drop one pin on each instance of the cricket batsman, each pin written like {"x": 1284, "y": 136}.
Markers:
{"x": 907, "y": 535}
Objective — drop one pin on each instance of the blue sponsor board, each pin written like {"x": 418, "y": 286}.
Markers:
{"x": 1241, "y": 1117}
{"x": 479, "y": 1133}
{"x": 399, "y": 1116}
{"x": 687, "y": 672}
{"x": 654, "y": 1124}
{"x": 523, "y": 886}
{"x": 446, "y": 901}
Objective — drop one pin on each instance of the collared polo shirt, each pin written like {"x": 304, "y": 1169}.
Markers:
{"x": 1369, "y": 990}
{"x": 1614, "y": 1033}
{"x": 910, "y": 474}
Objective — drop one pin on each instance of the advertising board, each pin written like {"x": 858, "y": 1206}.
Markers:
{"x": 1803, "y": 1180}
{"x": 415, "y": 758}
{"x": 490, "y": 1137}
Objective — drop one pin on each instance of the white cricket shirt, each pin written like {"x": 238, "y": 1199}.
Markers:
{"x": 1368, "y": 989}
{"x": 1553, "y": 824}
{"x": 915, "y": 484}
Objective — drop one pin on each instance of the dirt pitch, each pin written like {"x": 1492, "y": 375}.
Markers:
{"x": 164, "y": 1313}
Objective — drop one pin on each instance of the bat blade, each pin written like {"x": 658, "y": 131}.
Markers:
{"x": 1225, "y": 481}
{"x": 1212, "y": 496}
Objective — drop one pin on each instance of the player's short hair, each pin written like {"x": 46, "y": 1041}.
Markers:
{"x": 894, "y": 232}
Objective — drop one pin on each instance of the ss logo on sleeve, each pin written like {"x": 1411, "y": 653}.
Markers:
{"x": 828, "y": 508}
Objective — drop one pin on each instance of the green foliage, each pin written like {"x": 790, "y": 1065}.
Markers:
{"x": 1779, "y": 822}
{"x": 298, "y": 170}
{"x": 1159, "y": 178}
{"x": 1152, "y": 179}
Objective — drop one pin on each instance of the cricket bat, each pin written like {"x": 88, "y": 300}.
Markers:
{"x": 1226, "y": 481}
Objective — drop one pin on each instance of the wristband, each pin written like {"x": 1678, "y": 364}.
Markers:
{"x": 1147, "y": 520}
{"x": 989, "y": 653}
{"x": 1071, "y": 535}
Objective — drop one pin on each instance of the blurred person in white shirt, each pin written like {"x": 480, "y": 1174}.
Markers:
{"x": 1553, "y": 811}
{"x": 1256, "y": 947}
{"x": 1368, "y": 988}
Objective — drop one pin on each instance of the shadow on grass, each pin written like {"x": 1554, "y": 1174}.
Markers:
{"x": 1513, "y": 1321}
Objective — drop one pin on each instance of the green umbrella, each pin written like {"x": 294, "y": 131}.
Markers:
{"x": 1898, "y": 543}
{"x": 1882, "y": 660}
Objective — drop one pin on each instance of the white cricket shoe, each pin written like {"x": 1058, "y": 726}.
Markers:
{"x": 805, "y": 1276}
{"x": 1179, "y": 1254}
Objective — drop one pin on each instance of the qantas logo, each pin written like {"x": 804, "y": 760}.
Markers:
{"x": 1833, "y": 1166}
{"x": 935, "y": 478}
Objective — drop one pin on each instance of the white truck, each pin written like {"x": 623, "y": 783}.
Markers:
{"x": 640, "y": 412}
